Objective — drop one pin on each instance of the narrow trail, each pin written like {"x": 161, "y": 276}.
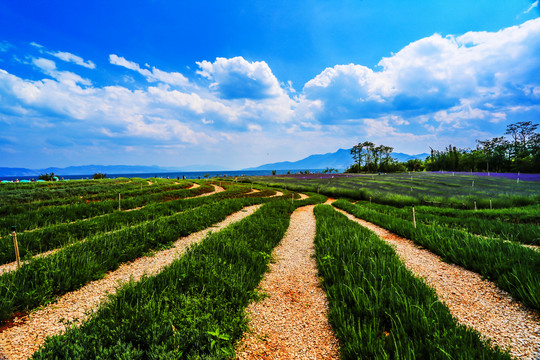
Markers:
{"x": 291, "y": 322}
{"x": 12, "y": 266}
{"x": 22, "y": 340}
{"x": 477, "y": 303}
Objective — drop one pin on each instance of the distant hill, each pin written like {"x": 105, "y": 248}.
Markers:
{"x": 340, "y": 159}
{"x": 107, "y": 169}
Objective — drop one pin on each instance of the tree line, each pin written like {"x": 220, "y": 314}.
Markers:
{"x": 519, "y": 152}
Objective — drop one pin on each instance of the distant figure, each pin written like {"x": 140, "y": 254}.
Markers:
{"x": 199, "y": 177}
{"x": 183, "y": 177}
{"x": 16, "y": 180}
{"x": 167, "y": 177}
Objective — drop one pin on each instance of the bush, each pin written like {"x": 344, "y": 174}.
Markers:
{"x": 99, "y": 176}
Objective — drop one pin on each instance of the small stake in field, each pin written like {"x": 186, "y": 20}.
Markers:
{"x": 472, "y": 184}
{"x": 292, "y": 198}
{"x": 413, "y": 217}
{"x": 119, "y": 208}
{"x": 141, "y": 188}
{"x": 370, "y": 199}
{"x": 490, "y": 204}
{"x": 475, "y": 209}
{"x": 17, "y": 257}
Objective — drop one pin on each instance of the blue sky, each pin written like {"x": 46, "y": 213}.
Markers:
{"x": 242, "y": 83}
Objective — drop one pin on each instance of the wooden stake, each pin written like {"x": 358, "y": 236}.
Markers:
{"x": 370, "y": 199}
{"x": 119, "y": 207}
{"x": 490, "y": 205}
{"x": 17, "y": 257}
{"x": 413, "y": 218}
{"x": 475, "y": 208}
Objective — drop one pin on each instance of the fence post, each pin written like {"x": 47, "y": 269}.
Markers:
{"x": 475, "y": 208}
{"x": 370, "y": 199}
{"x": 119, "y": 207}
{"x": 413, "y": 217}
{"x": 490, "y": 205}
{"x": 16, "y": 245}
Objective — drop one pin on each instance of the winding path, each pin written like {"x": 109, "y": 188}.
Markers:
{"x": 291, "y": 322}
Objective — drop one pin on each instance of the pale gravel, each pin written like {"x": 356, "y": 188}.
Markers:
{"x": 475, "y": 302}
{"x": 21, "y": 341}
{"x": 291, "y": 323}
{"x": 12, "y": 266}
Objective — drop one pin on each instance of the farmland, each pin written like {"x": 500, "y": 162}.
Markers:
{"x": 156, "y": 268}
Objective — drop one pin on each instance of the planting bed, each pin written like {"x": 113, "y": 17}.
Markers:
{"x": 199, "y": 270}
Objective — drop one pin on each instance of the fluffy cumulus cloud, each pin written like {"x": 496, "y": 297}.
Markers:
{"x": 238, "y": 78}
{"x": 432, "y": 90}
{"x": 478, "y": 75}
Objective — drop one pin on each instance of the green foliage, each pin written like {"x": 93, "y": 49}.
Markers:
{"x": 40, "y": 280}
{"x": 511, "y": 266}
{"x": 99, "y": 176}
{"x": 193, "y": 309}
{"x": 47, "y": 176}
{"x": 378, "y": 309}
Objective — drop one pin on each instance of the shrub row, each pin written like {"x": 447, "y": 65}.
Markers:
{"x": 511, "y": 266}
{"x": 528, "y": 233}
{"x": 378, "y": 309}
{"x": 55, "y": 236}
{"x": 42, "y": 279}
{"x": 193, "y": 309}
{"x": 66, "y": 213}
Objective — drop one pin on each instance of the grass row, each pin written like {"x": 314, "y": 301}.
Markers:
{"x": 42, "y": 279}
{"x": 51, "y": 191}
{"x": 511, "y": 266}
{"x": 67, "y": 213}
{"x": 399, "y": 190}
{"x": 528, "y": 233}
{"x": 193, "y": 309}
{"x": 378, "y": 309}
{"x": 55, "y": 236}
{"x": 108, "y": 192}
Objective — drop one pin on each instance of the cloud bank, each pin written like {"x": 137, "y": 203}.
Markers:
{"x": 435, "y": 90}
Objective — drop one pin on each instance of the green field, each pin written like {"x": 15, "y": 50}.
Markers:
{"x": 194, "y": 308}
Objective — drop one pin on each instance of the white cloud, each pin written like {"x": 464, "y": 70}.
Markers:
{"x": 153, "y": 75}
{"x": 237, "y": 78}
{"x": 69, "y": 57}
{"x": 435, "y": 74}
{"x": 533, "y": 5}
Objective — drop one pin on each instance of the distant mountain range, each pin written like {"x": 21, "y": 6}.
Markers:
{"x": 340, "y": 159}
{"x": 107, "y": 169}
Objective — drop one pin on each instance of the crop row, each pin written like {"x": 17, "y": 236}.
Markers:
{"x": 50, "y": 191}
{"x": 67, "y": 213}
{"x": 377, "y": 308}
{"x": 42, "y": 279}
{"x": 418, "y": 188}
{"x": 467, "y": 220}
{"x": 193, "y": 309}
{"x": 58, "y": 235}
{"x": 107, "y": 193}
{"x": 513, "y": 267}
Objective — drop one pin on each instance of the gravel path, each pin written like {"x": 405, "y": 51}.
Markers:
{"x": 20, "y": 342}
{"x": 477, "y": 303}
{"x": 291, "y": 322}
